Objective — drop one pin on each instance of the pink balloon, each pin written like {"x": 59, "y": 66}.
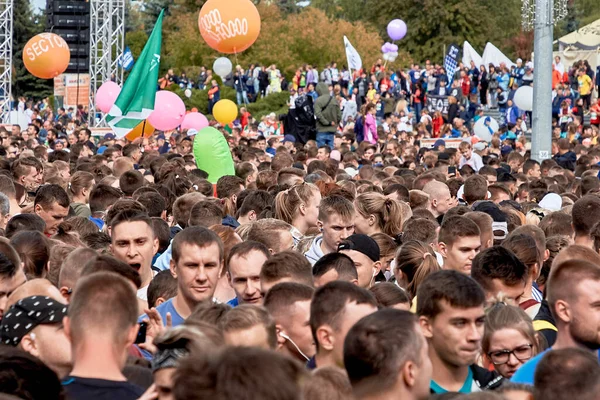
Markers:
{"x": 169, "y": 111}
{"x": 194, "y": 120}
{"x": 107, "y": 95}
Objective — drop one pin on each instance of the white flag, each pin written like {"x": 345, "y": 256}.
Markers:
{"x": 354, "y": 60}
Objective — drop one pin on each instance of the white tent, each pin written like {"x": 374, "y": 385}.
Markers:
{"x": 493, "y": 55}
{"x": 470, "y": 54}
{"x": 585, "y": 38}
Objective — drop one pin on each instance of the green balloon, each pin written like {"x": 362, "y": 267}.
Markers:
{"x": 212, "y": 154}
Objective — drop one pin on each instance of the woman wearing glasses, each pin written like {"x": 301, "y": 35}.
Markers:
{"x": 509, "y": 339}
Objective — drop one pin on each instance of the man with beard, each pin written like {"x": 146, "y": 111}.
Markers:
{"x": 573, "y": 293}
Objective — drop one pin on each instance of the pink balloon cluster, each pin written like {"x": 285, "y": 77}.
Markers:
{"x": 107, "y": 95}
{"x": 194, "y": 122}
{"x": 169, "y": 111}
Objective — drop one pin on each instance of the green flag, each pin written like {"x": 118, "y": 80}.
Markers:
{"x": 136, "y": 100}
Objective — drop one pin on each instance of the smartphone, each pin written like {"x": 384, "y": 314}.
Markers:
{"x": 141, "y": 336}
{"x": 451, "y": 170}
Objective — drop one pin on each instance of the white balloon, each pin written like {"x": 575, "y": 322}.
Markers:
{"x": 188, "y": 93}
{"x": 222, "y": 67}
{"x": 524, "y": 98}
{"x": 483, "y": 126}
{"x": 386, "y": 56}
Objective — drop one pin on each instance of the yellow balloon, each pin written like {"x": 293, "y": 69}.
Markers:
{"x": 225, "y": 111}
{"x": 144, "y": 129}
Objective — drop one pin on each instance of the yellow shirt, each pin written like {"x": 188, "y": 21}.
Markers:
{"x": 585, "y": 85}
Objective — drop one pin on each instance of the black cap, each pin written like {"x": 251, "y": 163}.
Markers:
{"x": 363, "y": 244}
{"x": 23, "y": 316}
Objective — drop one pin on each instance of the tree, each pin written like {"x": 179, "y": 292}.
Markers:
{"x": 306, "y": 37}
{"x": 25, "y": 26}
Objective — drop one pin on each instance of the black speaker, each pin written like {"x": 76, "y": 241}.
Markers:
{"x": 71, "y": 21}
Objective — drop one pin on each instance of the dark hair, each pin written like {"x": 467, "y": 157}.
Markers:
{"x": 129, "y": 216}
{"x": 206, "y": 213}
{"x": 8, "y": 268}
{"x": 24, "y": 222}
{"x": 26, "y": 377}
{"x": 566, "y": 374}
{"x": 47, "y": 195}
{"x": 257, "y": 201}
{"x": 330, "y": 300}
{"x": 162, "y": 285}
{"x": 197, "y": 236}
{"x": 106, "y": 263}
{"x": 162, "y": 232}
{"x": 421, "y": 229}
{"x": 499, "y": 263}
{"x": 341, "y": 263}
{"x": 388, "y": 294}
{"x": 97, "y": 240}
{"x": 452, "y": 287}
{"x": 475, "y": 189}
{"x": 457, "y": 227}
{"x": 378, "y": 346}
{"x": 281, "y": 297}
{"x": 557, "y": 223}
{"x": 244, "y": 248}
{"x": 287, "y": 264}
{"x": 155, "y": 204}
{"x": 130, "y": 181}
{"x": 586, "y": 212}
{"x": 34, "y": 251}
{"x": 102, "y": 197}
{"x": 235, "y": 372}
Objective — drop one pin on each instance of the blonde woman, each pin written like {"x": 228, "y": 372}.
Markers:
{"x": 299, "y": 207}
{"x": 379, "y": 214}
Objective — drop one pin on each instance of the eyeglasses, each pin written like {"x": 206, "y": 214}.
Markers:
{"x": 521, "y": 353}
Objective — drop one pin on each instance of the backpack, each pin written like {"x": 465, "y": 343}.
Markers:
{"x": 359, "y": 129}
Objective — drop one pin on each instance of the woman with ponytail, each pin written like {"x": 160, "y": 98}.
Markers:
{"x": 299, "y": 207}
{"x": 414, "y": 262}
{"x": 80, "y": 186}
{"x": 378, "y": 214}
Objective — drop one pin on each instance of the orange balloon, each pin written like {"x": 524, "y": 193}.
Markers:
{"x": 46, "y": 55}
{"x": 229, "y": 26}
{"x": 144, "y": 129}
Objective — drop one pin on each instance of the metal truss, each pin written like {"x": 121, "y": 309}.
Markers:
{"x": 107, "y": 41}
{"x": 6, "y": 52}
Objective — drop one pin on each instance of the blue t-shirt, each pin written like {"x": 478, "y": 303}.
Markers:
{"x": 526, "y": 373}
{"x": 467, "y": 387}
{"x": 163, "y": 309}
{"x": 233, "y": 302}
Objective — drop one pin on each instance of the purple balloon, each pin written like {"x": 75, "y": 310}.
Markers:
{"x": 396, "y": 29}
{"x": 394, "y": 48}
{"x": 384, "y": 48}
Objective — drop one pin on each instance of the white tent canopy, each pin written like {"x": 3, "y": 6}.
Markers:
{"x": 493, "y": 55}
{"x": 585, "y": 38}
{"x": 470, "y": 54}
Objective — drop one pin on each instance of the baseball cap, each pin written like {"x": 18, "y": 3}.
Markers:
{"x": 351, "y": 171}
{"x": 289, "y": 138}
{"x": 500, "y": 224}
{"x": 26, "y": 314}
{"x": 363, "y": 244}
{"x": 109, "y": 136}
{"x": 479, "y": 146}
{"x": 439, "y": 143}
{"x": 552, "y": 202}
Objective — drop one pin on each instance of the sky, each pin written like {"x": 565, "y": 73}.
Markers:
{"x": 37, "y": 4}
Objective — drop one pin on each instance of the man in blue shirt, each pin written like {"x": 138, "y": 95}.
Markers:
{"x": 196, "y": 263}
{"x": 573, "y": 293}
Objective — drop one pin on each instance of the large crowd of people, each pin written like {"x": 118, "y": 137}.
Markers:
{"x": 345, "y": 259}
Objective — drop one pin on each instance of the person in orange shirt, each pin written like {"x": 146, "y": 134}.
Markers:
{"x": 556, "y": 78}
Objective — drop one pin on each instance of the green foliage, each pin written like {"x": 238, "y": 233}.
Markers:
{"x": 276, "y": 102}
{"x": 26, "y": 26}
{"x": 136, "y": 41}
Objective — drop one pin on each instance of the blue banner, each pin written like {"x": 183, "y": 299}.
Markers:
{"x": 126, "y": 60}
